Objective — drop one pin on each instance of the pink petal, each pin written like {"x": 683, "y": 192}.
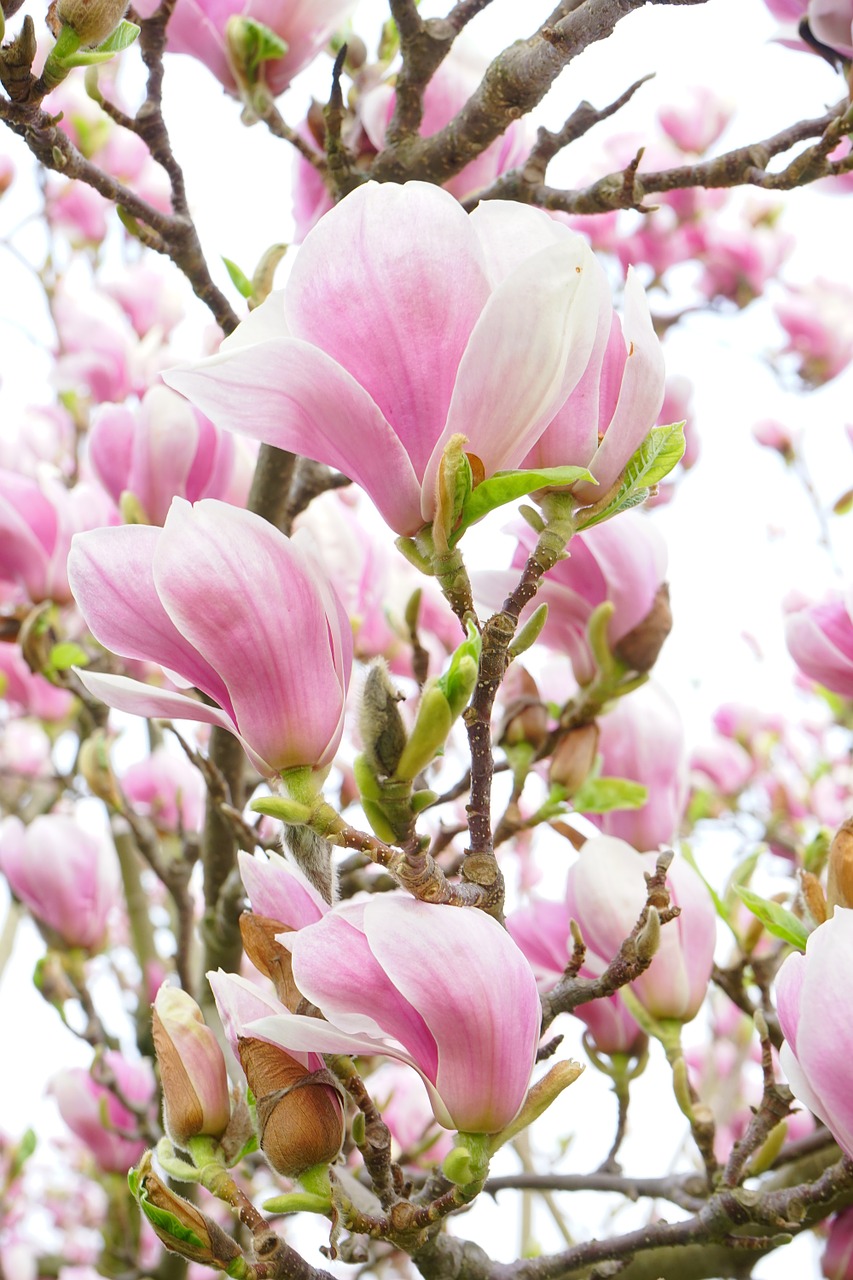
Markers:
{"x": 390, "y": 283}
{"x": 278, "y": 889}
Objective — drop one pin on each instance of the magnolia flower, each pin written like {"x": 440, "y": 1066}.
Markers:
{"x": 399, "y": 329}
{"x": 820, "y": 640}
{"x": 67, "y": 878}
{"x": 605, "y": 893}
{"x": 470, "y": 1029}
{"x": 95, "y": 1115}
{"x": 271, "y": 645}
{"x": 812, "y": 1001}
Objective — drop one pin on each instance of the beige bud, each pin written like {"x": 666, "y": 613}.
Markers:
{"x": 574, "y": 758}
{"x": 839, "y": 876}
{"x": 92, "y": 20}
{"x": 639, "y": 649}
{"x": 300, "y": 1115}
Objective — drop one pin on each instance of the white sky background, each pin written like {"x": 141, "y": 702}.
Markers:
{"x": 728, "y": 576}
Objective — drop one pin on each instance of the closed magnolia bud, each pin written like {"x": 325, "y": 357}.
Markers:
{"x": 180, "y": 1226}
{"x": 574, "y": 758}
{"x": 639, "y": 649}
{"x": 300, "y": 1113}
{"x": 380, "y": 722}
{"x": 91, "y": 20}
{"x": 839, "y": 877}
{"x": 192, "y": 1069}
{"x": 525, "y": 715}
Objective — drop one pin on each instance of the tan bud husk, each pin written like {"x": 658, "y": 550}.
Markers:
{"x": 526, "y": 716}
{"x": 207, "y": 1243}
{"x": 811, "y": 891}
{"x": 92, "y": 20}
{"x": 639, "y": 649}
{"x": 300, "y": 1113}
{"x": 574, "y": 758}
{"x": 839, "y": 876}
{"x": 272, "y": 959}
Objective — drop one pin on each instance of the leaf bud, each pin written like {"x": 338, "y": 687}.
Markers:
{"x": 300, "y": 1113}
{"x": 839, "y": 876}
{"x": 574, "y": 758}
{"x": 181, "y": 1227}
{"x": 192, "y": 1069}
{"x": 380, "y": 723}
{"x": 639, "y": 649}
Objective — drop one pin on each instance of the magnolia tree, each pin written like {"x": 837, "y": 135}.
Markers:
{"x": 398, "y": 819}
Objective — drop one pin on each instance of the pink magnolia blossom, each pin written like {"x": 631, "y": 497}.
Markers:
{"x": 197, "y": 27}
{"x": 67, "y": 878}
{"x": 643, "y": 738}
{"x": 738, "y": 261}
{"x": 773, "y": 434}
{"x": 830, "y": 22}
{"x": 37, "y": 522}
{"x": 623, "y": 561}
{"x": 542, "y": 931}
{"x": 94, "y": 1114}
{"x": 820, "y": 640}
{"x": 696, "y": 126}
{"x": 812, "y": 1000}
{"x": 271, "y": 646}
{"x": 722, "y": 763}
{"x": 101, "y": 359}
{"x": 389, "y": 991}
{"x": 837, "y": 1260}
{"x": 278, "y": 889}
{"x": 818, "y": 319}
{"x": 24, "y": 750}
{"x": 165, "y": 449}
{"x": 79, "y": 211}
{"x": 167, "y": 788}
{"x": 148, "y": 298}
{"x": 605, "y": 893}
{"x": 405, "y": 1111}
{"x": 385, "y": 343}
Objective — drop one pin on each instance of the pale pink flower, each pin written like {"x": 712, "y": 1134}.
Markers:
{"x": 605, "y": 893}
{"x": 168, "y": 789}
{"x": 695, "y": 125}
{"x": 271, "y": 646}
{"x": 818, "y": 318}
{"x": 773, "y": 434}
{"x": 79, "y": 211}
{"x": 837, "y": 1260}
{"x": 148, "y": 298}
{"x": 197, "y": 27}
{"x": 385, "y": 343}
{"x": 28, "y": 692}
{"x": 642, "y": 738}
{"x": 67, "y": 878}
{"x": 830, "y": 22}
{"x": 389, "y": 990}
{"x": 24, "y": 750}
{"x": 723, "y": 764}
{"x": 623, "y": 561}
{"x": 279, "y": 890}
{"x": 162, "y": 449}
{"x": 812, "y": 1001}
{"x": 820, "y": 640}
{"x": 94, "y": 1114}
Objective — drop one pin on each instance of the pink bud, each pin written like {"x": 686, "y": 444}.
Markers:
{"x": 605, "y": 893}
{"x": 722, "y": 764}
{"x": 192, "y": 1069}
{"x": 837, "y": 1260}
{"x": 774, "y": 435}
{"x": 94, "y": 1114}
{"x": 168, "y": 789}
{"x": 67, "y": 878}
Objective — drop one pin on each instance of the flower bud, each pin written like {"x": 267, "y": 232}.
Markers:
{"x": 837, "y": 1261}
{"x": 380, "y": 722}
{"x": 525, "y": 715}
{"x": 192, "y": 1069}
{"x": 839, "y": 877}
{"x": 574, "y": 758}
{"x": 300, "y": 1114}
{"x": 92, "y": 20}
{"x": 639, "y": 649}
{"x": 180, "y": 1226}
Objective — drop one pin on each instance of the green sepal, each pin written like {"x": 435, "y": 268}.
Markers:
{"x": 297, "y": 1202}
{"x": 239, "y": 279}
{"x": 662, "y": 448}
{"x": 65, "y": 655}
{"x": 527, "y": 635}
{"x": 506, "y": 486}
{"x": 288, "y": 811}
{"x": 409, "y": 549}
{"x": 365, "y": 779}
{"x": 777, "y": 920}
{"x": 379, "y": 824}
{"x": 255, "y": 44}
{"x": 603, "y": 795}
{"x": 457, "y": 682}
{"x": 429, "y": 734}
{"x": 122, "y": 38}
{"x": 468, "y": 1160}
{"x": 422, "y": 800}
{"x": 454, "y": 485}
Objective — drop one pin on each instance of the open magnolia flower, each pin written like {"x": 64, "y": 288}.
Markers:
{"x": 225, "y": 603}
{"x": 444, "y": 989}
{"x": 406, "y": 323}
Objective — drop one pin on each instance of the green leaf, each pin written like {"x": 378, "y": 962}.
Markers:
{"x": 506, "y": 486}
{"x": 239, "y": 279}
{"x": 169, "y": 1224}
{"x": 122, "y": 38}
{"x": 63, "y": 656}
{"x": 259, "y": 44}
{"x": 776, "y": 919}
{"x": 601, "y": 795}
{"x": 662, "y": 448}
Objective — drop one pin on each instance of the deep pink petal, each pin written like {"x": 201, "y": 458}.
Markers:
{"x": 390, "y": 283}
